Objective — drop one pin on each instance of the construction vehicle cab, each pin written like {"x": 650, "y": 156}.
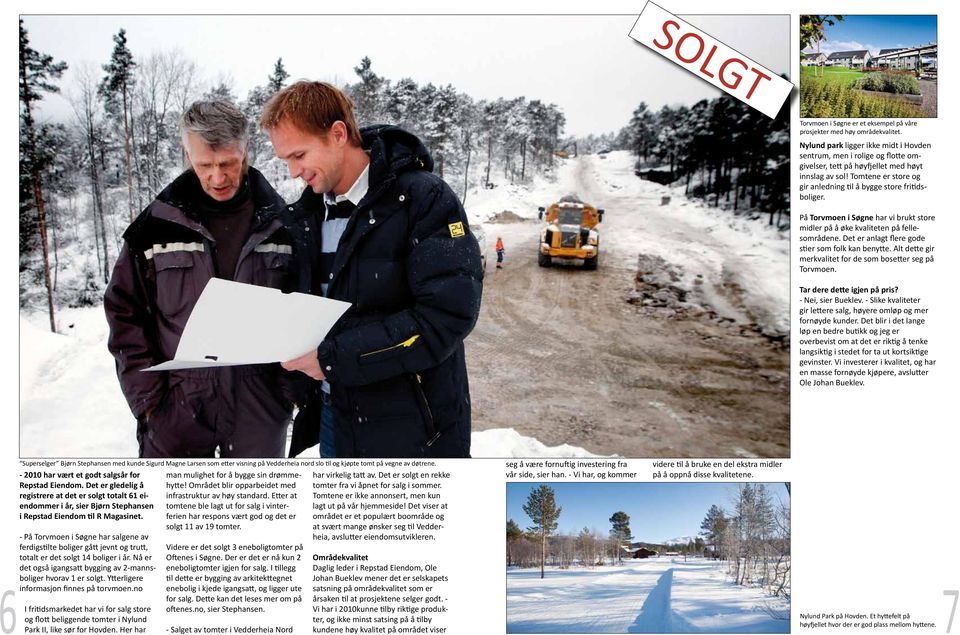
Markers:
{"x": 570, "y": 232}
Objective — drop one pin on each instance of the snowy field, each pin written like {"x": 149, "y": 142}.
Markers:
{"x": 660, "y": 595}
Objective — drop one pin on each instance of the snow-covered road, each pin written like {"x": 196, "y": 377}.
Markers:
{"x": 559, "y": 355}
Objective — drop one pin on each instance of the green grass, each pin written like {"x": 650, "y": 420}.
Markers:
{"x": 832, "y": 74}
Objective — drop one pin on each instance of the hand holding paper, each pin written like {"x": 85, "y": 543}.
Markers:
{"x": 235, "y": 323}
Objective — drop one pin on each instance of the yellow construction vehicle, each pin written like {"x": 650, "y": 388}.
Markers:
{"x": 570, "y": 232}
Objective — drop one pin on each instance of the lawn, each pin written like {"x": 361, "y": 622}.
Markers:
{"x": 831, "y": 74}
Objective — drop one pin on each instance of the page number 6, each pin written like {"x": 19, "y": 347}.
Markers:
{"x": 953, "y": 609}
{"x": 7, "y": 613}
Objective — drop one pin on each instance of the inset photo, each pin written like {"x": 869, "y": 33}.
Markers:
{"x": 648, "y": 558}
{"x": 868, "y": 66}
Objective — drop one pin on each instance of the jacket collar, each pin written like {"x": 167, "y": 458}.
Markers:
{"x": 173, "y": 204}
{"x": 182, "y": 192}
{"x": 392, "y": 151}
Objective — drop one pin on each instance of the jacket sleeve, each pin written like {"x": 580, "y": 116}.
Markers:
{"x": 445, "y": 277}
{"x": 132, "y": 339}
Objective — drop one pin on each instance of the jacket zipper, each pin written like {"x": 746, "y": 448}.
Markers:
{"x": 404, "y": 344}
{"x": 431, "y": 429}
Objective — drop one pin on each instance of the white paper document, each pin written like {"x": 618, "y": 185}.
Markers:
{"x": 235, "y": 323}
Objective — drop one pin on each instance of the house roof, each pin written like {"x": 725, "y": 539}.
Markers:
{"x": 842, "y": 55}
{"x": 885, "y": 51}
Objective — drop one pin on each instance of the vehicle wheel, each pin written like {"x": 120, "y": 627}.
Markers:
{"x": 591, "y": 263}
{"x": 543, "y": 260}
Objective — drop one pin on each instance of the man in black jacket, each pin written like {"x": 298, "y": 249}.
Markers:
{"x": 217, "y": 219}
{"x": 395, "y": 243}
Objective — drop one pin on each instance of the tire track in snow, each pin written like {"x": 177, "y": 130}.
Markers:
{"x": 656, "y": 615}
{"x": 560, "y": 356}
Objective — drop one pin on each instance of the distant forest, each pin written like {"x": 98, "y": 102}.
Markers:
{"x": 721, "y": 150}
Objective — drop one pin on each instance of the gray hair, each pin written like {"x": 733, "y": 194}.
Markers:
{"x": 217, "y": 123}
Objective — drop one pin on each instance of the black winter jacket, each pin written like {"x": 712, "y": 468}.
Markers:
{"x": 411, "y": 270}
{"x": 163, "y": 267}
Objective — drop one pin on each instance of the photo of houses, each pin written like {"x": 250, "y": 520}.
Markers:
{"x": 865, "y": 66}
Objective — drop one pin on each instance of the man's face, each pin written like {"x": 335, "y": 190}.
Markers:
{"x": 220, "y": 171}
{"x": 316, "y": 159}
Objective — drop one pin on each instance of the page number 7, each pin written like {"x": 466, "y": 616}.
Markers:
{"x": 953, "y": 609}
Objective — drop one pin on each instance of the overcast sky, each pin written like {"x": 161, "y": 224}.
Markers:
{"x": 587, "y": 65}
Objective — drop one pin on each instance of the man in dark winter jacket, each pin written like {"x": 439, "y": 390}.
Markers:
{"x": 217, "y": 219}
{"x": 395, "y": 243}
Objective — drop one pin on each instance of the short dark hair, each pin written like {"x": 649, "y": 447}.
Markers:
{"x": 312, "y": 107}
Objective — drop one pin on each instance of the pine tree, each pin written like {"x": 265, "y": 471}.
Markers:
{"x": 222, "y": 91}
{"x": 37, "y": 71}
{"x": 442, "y": 119}
{"x": 514, "y": 534}
{"x": 542, "y": 509}
{"x": 713, "y": 527}
{"x": 280, "y": 75}
{"x": 252, "y": 107}
{"x": 620, "y": 532}
{"x": 401, "y": 103}
{"x": 117, "y": 85}
{"x": 492, "y": 129}
{"x": 370, "y": 94}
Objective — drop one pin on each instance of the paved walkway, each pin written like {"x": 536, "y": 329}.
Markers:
{"x": 928, "y": 90}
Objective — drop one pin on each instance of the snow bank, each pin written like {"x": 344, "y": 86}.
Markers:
{"x": 508, "y": 443}
{"x": 70, "y": 401}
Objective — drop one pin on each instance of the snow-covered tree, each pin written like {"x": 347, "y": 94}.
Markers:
{"x": 165, "y": 87}
{"x": 116, "y": 89}
{"x": 402, "y": 105}
{"x": 370, "y": 94}
{"x": 442, "y": 120}
{"x": 221, "y": 90}
{"x": 38, "y": 144}
{"x": 89, "y": 118}
{"x": 278, "y": 78}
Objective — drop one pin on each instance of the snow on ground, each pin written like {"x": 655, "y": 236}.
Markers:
{"x": 661, "y": 595}
{"x": 727, "y": 250}
{"x": 70, "y": 401}
{"x": 508, "y": 443}
{"x": 714, "y": 248}
{"x": 71, "y": 404}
